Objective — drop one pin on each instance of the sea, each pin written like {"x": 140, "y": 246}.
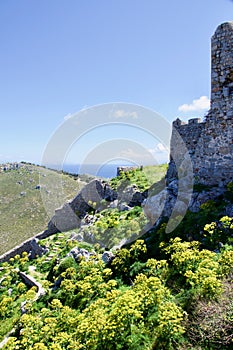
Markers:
{"x": 106, "y": 171}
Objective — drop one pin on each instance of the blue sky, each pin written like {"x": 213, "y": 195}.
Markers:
{"x": 58, "y": 57}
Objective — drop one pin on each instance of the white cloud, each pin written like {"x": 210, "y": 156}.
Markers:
{"x": 120, "y": 113}
{"x": 68, "y": 116}
{"x": 160, "y": 153}
{"x": 199, "y": 104}
{"x": 159, "y": 148}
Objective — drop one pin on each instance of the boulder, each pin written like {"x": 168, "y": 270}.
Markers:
{"x": 125, "y": 195}
{"x": 131, "y": 196}
{"x": 137, "y": 198}
{"x": 114, "y": 204}
{"x": 107, "y": 257}
{"x": 153, "y": 206}
{"x": 76, "y": 237}
{"x": 109, "y": 194}
{"x": 124, "y": 207}
{"x": 91, "y": 196}
{"x": 64, "y": 219}
{"x": 79, "y": 253}
{"x": 36, "y": 249}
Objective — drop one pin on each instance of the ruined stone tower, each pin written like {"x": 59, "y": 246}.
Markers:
{"x": 222, "y": 72}
{"x": 210, "y": 143}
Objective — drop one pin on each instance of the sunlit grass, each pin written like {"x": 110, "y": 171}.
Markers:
{"x": 22, "y": 212}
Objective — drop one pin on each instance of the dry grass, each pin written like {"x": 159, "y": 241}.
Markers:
{"x": 22, "y": 211}
{"x": 211, "y": 322}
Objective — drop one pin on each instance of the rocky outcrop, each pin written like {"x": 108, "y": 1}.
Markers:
{"x": 154, "y": 206}
{"x": 90, "y": 198}
{"x": 36, "y": 249}
{"x": 131, "y": 196}
{"x": 79, "y": 253}
{"x": 69, "y": 216}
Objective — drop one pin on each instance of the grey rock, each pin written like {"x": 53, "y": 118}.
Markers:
{"x": 153, "y": 206}
{"x": 23, "y": 308}
{"x": 109, "y": 194}
{"x": 114, "y": 204}
{"x": 173, "y": 187}
{"x": 131, "y": 195}
{"x": 137, "y": 199}
{"x": 77, "y": 237}
{"x": 57, "y": 283}
{"x": 229, "y": 210}
{"x": 79, "y": 253}
{"x": 124, "y": 207}
{"x": 107, "y": 257}
{"x": 36, "y": 249}
{"x": 125, "y": 195}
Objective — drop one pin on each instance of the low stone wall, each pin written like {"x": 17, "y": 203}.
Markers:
{"x": 65, "y": 218}
{"x": 30, "y": 246}
{"x": 127, "y": 168}
{"x": 31, "y": 282}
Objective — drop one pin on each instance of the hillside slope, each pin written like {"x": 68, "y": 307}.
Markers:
{"x": 30, "y": 194}
{"x": 22, "y": 212}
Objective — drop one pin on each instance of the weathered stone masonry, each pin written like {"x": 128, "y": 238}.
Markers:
{"x": 210, "y": 143}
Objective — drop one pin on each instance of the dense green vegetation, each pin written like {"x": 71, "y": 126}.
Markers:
{"x": 111, "y": 226}
{"x": 22, "y": 211}
{"x": 132, "y": 303}
{"x": 142, "y": 179}
{"x": 162, "y": 291}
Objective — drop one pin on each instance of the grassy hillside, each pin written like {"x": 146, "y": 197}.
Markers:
{"x": 143, "y": 179}
{"x": 155, "y": 173}
{"x": 22, "y": 212}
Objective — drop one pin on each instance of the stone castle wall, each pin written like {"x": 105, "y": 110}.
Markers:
{"x": 210, "y": 143}
{"x": 222, "y": 72}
